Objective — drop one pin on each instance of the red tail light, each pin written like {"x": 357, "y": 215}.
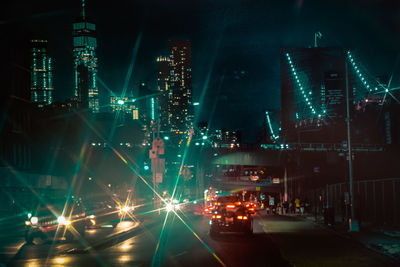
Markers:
{"x": 240, "y": 217}
{"x": 244, "y": 217}
{"x": 206, "y": 210}
{"x": 230, "y": 206}
{"x": 218, "y": 216}
{"x": 238, "y": 203}
{"x": 213, "y": 216}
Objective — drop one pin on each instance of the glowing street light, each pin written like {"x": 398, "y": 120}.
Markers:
{"x": 120, "y": 102}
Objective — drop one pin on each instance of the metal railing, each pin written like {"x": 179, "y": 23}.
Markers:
{"x": 375, "y": 201}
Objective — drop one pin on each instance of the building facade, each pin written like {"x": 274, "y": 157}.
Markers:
{"x": 85, "y": 62}
{"x": 180, "y": 105}
{"x": 126, "y": 106}
{"x": 42, "y": 90}
{"x": 163, "y": 86}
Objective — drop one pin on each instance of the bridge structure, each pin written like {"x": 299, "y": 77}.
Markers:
{"x": 272, "y": 167}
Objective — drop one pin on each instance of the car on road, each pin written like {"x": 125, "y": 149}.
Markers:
{"x": 100, "y": 213}
{"x": 56, "y": 219}
{"x": 231, "y": 216}
{"x": 251, "y": 207}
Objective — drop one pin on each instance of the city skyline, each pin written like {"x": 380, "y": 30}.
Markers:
{"x": 225, "y": 77}
{"x": 208, "y": 132}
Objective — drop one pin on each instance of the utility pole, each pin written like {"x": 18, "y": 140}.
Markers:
{"x": 353, "y": 224}
{"x": 157, "y": 163}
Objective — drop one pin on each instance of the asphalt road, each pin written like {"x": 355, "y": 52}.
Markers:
{"x": 184, "y": 241}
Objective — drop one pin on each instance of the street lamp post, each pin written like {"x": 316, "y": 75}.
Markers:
{"x": 353, "y": 224}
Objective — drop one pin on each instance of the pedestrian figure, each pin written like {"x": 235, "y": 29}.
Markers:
{"x": 297, "y": 203}
{"x": 293, "y": 206}
{"x": 286, "y": 207}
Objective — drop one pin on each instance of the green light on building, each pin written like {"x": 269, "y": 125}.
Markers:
{"x": 152, "y": 108}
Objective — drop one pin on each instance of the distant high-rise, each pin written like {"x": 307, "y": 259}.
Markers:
{"x": 163, "y": 83}
{"x": 180, "y": 101}
{"x": 147, "y": 106}
{"x": 41, "y": 74}
{"x": 85, "y": 62}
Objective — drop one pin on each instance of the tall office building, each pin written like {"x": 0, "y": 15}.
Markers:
{"x": 180, "y": 103}
{"x": 163, "y": 84}
{"x": 41, "y": 73}
{"x": 147, "y": 104}
{"x": 314, "y": 94}
{"x": 85, "y": 62}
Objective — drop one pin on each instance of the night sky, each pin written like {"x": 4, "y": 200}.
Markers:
{"x": 235, "y": 44}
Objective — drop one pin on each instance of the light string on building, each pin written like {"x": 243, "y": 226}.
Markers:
{"x": 306, "y": 95}
{"x": 386, "y": 89}
{"x": 360, "y": 75}
{"x": 271, "y": 130}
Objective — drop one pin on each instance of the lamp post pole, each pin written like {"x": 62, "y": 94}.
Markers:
{"x": 353, "y": 224}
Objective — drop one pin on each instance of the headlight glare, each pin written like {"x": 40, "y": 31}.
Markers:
{"x": 34, "y": 220}
{"x": 169, "y": 207}
{"x": 61, "y": 220}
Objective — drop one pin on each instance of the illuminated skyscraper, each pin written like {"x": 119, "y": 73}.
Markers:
{"x": 85, "y": 62}
{"x": 147, "y": 105}
{"x": 41, "y": 74}
{"x": 163, "y": 82}
{"x": 180, "y": 101}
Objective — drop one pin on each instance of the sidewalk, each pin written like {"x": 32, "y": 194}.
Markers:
{"x": 382, "y": 240}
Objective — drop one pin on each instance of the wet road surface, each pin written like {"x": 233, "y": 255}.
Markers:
{"x": 277, "y": 241}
